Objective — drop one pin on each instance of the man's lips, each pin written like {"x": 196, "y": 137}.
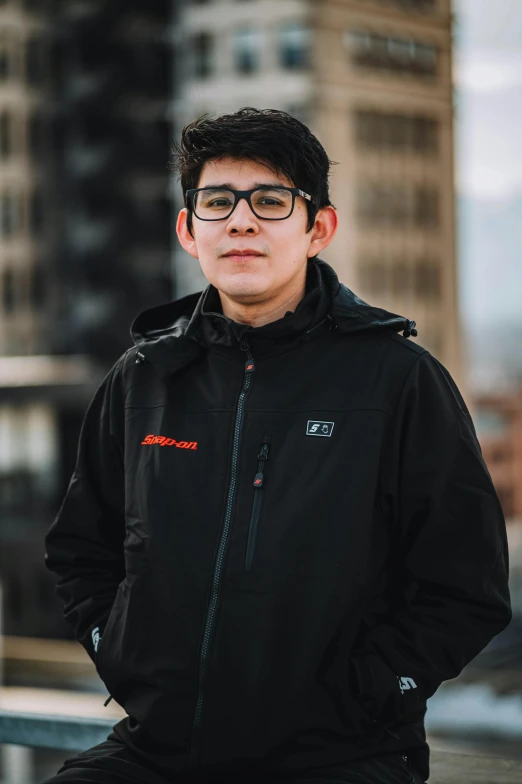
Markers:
{"x": 242, "y": 254}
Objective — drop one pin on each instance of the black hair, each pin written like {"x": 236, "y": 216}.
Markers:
{"x": 270, "y": 137}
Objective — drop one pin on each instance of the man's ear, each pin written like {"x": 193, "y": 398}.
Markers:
{"x": 323, "y": 231}
{"x": 186, "y": 240}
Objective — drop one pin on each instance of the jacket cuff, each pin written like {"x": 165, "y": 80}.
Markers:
{"x": 386, "y": 697}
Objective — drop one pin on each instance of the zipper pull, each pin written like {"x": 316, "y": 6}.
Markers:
{"x": 249, "y": 364}
{"x": 263, "y": 455}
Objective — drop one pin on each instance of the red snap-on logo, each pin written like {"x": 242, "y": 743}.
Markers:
{"x": 164, "y": 441}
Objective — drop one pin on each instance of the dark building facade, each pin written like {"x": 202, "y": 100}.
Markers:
{"x": 95, "y": 83}
{"x": 112, "y": 136}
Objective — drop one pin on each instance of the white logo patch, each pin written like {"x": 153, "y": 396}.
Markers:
{"x": 96, "y": 638}
{"x": 315, "y": 427}
{"x": 406, "y": 683}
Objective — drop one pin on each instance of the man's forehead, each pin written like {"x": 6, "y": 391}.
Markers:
{"x": 240, "y": 173}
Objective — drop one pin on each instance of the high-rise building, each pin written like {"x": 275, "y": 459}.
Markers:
{"x": 85, "y": 218}
{"x": 29, "y": 452}
{"x": 24, "y": 240}
{"x": 372, "y": 79}
{"x": 112, "y": 104}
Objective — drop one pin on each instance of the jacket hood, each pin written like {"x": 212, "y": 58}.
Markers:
{"x": 157, "y": 330}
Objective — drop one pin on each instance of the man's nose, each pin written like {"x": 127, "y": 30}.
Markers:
{"x": 242, "y": 219}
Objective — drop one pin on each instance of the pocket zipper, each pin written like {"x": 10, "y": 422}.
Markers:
{"x": 259, "y": 483}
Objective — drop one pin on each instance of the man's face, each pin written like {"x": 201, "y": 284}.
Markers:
{"x": 279, "y": 248}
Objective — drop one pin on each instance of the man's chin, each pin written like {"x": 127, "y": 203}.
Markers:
{"x": 243, "y": 288}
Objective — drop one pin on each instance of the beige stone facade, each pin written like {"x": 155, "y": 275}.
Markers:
{"x": 377, "y": 91}
{"x": 384, "y": 110}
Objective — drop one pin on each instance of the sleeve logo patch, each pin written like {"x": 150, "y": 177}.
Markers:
{"x": 96, "y": 637}
{"x": 405, "y": 684}
{"x": 315, "y": 427}
{"x": 164, "y": 441}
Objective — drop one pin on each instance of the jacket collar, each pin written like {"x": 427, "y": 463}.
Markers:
{"x": 209, "y": 327}
{"x": 172, "y": 335}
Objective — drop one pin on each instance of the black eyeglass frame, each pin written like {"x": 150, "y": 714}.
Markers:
{"x": 238, "y": 195}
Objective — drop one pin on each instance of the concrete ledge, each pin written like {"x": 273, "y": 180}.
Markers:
{"x": 50, "y": 718}
{"x": 68, "y": 733}
{"x": 70, "y": 721}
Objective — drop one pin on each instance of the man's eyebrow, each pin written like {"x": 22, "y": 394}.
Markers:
{"x": 255, "y": 185}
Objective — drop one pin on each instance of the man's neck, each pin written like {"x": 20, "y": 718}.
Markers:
{"x": 261, "y": 313}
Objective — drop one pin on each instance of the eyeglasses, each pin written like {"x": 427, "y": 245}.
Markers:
{"x": 267, "y": 203}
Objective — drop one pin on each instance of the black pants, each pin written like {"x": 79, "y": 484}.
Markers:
{"x": 112, "y": 762}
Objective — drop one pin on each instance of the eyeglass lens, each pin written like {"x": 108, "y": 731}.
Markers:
{"x": 210, "y": 204}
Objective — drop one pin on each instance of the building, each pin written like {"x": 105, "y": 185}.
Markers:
{"x": 498, "y": 421}
{"x": 112, "y": 135}
{"x": 29, "y": 453}
{"x": 372, "y": 78}
{"x": 24, "y": 245}
{"x": 85, "y": 218}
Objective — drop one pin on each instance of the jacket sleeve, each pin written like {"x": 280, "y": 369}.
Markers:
{"x": 84, "y": 545}
{"x": 452, "y": 551}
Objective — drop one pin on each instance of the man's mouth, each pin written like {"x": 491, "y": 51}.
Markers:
{"x": 246, "y": 253}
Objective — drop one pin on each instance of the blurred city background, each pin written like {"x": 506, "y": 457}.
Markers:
{"x": 419, "y": 102}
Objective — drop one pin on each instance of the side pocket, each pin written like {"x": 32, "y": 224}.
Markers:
{"x": 259, "y": 485}
{"x": 376, "y": 690}
{"x": 102, "y": 660}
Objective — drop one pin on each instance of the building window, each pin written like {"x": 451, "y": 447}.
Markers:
{"x": 505, "y": 496}
{"x": 202, "y": 53}
{"x": 36, "y": 213}
{"x": 36, "y": 5}
{"x": 10, "y": 214}
{"x": 427, "y": 280}
{"x": 294, "y": 46}
{"x": 7, "y": 61}
{"x": 398, "y": 55}
{"x": 374, "y": 276}
{"x": 247, "y": 50}
{"x": 413, "y": 5}
{"x": 399, "y": 277}
{"x": 37, "y": 287}
{"x": 397, "y": 132}
{"x": 28, "y": 459}
{"x": 6, "y": 135}
{"x": 491, "y": 423}
{"x": 36, "y": 138}
{"x": 8, "y": 291}
{"x": 35, "y": 61}
{"x": 500, "y": 454}
{"x": 381, "y": 204}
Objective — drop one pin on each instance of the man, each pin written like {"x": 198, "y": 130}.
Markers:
{"x": 280, "y": 536}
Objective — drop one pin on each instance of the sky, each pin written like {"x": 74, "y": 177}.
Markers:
{"x": 488, "y": 134}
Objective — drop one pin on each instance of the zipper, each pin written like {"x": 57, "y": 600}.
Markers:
{"x": 211, "y": 612}
{"x": 259, "y": 484}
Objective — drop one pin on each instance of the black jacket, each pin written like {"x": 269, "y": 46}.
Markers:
{"x": 278, "y": 542}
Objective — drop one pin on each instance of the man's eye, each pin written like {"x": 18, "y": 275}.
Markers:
{"x": 269, "y": 201}
{"x": 219, "y": 203}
